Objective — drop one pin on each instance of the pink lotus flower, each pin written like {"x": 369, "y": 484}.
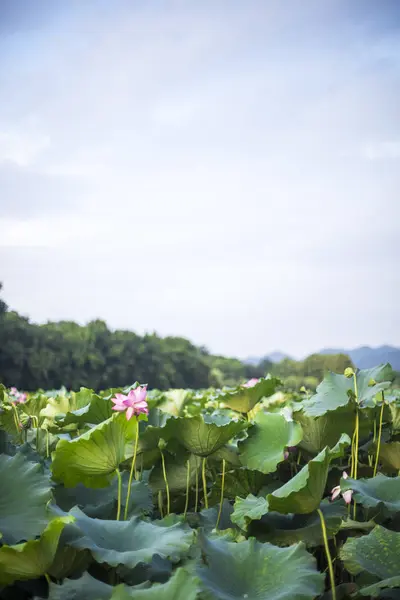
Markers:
{"x": 337, "y": 491}
{"x": 17, "y": 396}
{"x": 134, "y": 403}
{"x": 251, "y": 382}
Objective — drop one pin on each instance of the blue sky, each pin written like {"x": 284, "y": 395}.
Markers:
{"x": 227, "y": 171}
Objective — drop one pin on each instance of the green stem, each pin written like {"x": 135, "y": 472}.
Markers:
{"x": 328, "y": 554}
{"x": 166, "y": 482}
{"x": 16, "y": 419}
{"x": 119, "y": 493}
{"x": 197, "y": 486}
{"x": 357, "y": 428}
{"x": 356, "y": 444}
{"x": 203, "y": 474}
{"x": 298, "y": 458}
{"x": 160, "y": 507}
{"x": 47, "y": 444}
{"x": 47, "y": 578}
{"x": 187, "y": 488}
{"x": 128, "y": 494}
{"x": 222, "y": 492}
{"x": 378, "y": 449}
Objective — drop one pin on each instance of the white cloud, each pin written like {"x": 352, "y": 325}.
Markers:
{"x": 22, "y": 148}
{"x": 207, "y": 151}
{"x": 382, "y": 150}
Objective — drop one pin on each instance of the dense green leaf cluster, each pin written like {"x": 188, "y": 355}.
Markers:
{"x": 230, "y": 496}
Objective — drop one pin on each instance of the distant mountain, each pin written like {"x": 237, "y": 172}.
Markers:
{"x": 274, "y": 357}
{"x": 367, "y": 357}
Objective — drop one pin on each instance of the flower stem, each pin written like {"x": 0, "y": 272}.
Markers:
{"x": 166, "y": 482}
{"x": 357, "y": 426}
{"x": 160, "y": 507}
{"x": 47, "y": 444}
{"x": 222, "y": 493}
{"x": 378, "y": 449}
{"x": 203, "y": 474}
{"x": 187, "y": 488}
{"x": 356, "y": 430}
{"x": 119, "y": 493}
{"x": 16, "y": 419}
{"x": 328, "y": 554}
{"x": 47, "y": 578}
{"x": 128, "y": 494}
{"x": 197, "y": 486}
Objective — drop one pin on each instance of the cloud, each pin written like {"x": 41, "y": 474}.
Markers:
{"x": 238, "y": 158}
{"x": 389, "y": 150}
{"x": 20, "y": 148}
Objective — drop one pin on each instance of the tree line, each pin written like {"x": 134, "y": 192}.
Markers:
{"x": 63, "y": 353}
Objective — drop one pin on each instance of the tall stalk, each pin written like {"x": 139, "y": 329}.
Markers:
{"x": 328, "y": 554}
{"x": 378, "y": 448}
{"x": 203, "y": 474}
{"x": 166, "y": 482}
{"x": 197, "y": 486}
{"x": 128, "y": 494}
{"x": 222, "y": 493}
{"x": 119, "y": 493}
{"x": 187, "y": 487}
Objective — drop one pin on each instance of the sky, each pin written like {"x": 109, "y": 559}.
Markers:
{"x": 222, "y": 170}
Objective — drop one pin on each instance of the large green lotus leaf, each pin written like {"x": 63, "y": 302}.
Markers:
{"x": 371, "y": 382}
{"x": 176, "y": 469}
{"x": 129, "y": 542}
{"x": 319, "y": 432}
{"x": 284, "y": 530}
{"x": 377, "y": 553}
{"x": 34, "y": 405}
{"x": 96, "y": 411}
{"x": 61, "y": 404}
{"x": 240, "y": 482}
{"x": 93, "y": 457}
{"x": 335, "y": 390}
{"x": 31, "y": 559}
{"x": 248, "y": 509}
{"x": 304, "y": 492}
{"x": 69, "y": 561}
{"x": 229, "y": 453}
{"x": 181, "y": 586}
{"x": 395, "y": 415}
{"x": 267, "y": 439}
{"x": 150, "y": 433}
{"x": 201, "y": 435}
{"x": 173, "y": 402}
{"x": 389, "y": 455}
{"x": 102, "y": 502}
{"x": 375, "y": 590}
{"x": 256, "y": 571}
{"x": 243, "y": 399}
{"x": 378, "y": 492}
{"x": 86, "y": 587}
{"x": 24, "y": 494}
{"x": 7, "y": 423}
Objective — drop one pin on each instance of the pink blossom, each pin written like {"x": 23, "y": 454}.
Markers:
{"x": 251, "y": 382}
{"x": 134, "y": 403}
{"x": 336, "y": 491}
{"x": 17, "y": 396}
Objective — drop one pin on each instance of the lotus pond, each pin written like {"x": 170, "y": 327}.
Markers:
{"x": 242, "y": 493}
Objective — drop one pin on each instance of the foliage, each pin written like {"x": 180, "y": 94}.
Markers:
{"x": 229, "y": 493}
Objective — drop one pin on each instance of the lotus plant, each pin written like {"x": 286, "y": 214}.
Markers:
{"x": 16, "y": 396}
{"x": 336, "y": 491}
{"x": 251, "y": 383}
{"x": 133, "y": 404}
